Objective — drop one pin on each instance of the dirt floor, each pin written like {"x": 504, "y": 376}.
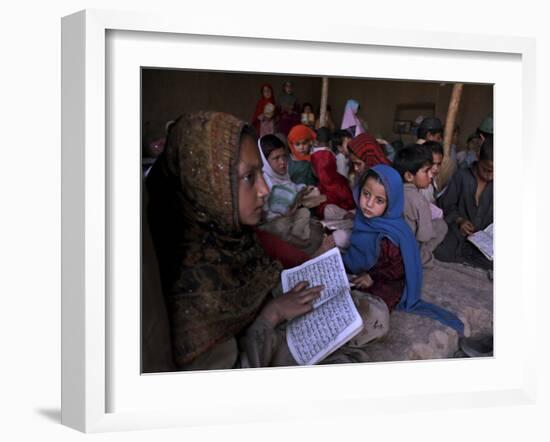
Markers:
{"x": 466, "y": 291}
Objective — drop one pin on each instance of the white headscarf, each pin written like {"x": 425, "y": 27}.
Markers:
{"x": 273, "y": 206}
{"x": 271, "y": 177}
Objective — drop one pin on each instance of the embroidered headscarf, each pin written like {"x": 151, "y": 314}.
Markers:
{"x": 260, "y": 105}
{"x": 364, "y": 249}
{"x": 215, "y": 275}
{"x": 350, "y": 121}
{"x": 366, "y": 148}
{"x": 297, "y": 133}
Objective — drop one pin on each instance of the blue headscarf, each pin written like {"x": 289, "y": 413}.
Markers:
{"x": 364, "y": 249}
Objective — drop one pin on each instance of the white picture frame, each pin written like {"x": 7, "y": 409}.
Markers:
{"x": 95, "y": 364}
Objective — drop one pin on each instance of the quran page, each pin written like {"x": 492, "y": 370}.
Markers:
{"x": 483, "y": 240}
{"x": 334, "y": 319}
{"x": 317, "y": 334}
{"x": 327, "y": 269}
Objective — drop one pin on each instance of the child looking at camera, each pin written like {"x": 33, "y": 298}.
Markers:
{"x": 300, "y": 140}
{"x": 414, "y": 163}
{"x": 383, "y": 252}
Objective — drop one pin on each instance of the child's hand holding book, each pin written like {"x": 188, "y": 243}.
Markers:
{"x": 296, "y": 302}
{"x": 465, "y": 226}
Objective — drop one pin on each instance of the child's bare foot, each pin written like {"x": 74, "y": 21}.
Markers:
{"x": 327, "y": 244}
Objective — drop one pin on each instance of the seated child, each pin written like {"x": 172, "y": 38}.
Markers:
{"x": 432, "y": 193}
{"x": 308, "y": 117}
{"x": 383, "y": 252}
{"x": 340, "y": 140}
{"x": 465, "y": 158}
{"x": 285, "y": 216}
{"x": 335, "y": 187}
{"x": 414, "y": 164}
{"x": 365, "y": 152}
{"x": 300, "y": 139}
{"x": 468, "y": 207}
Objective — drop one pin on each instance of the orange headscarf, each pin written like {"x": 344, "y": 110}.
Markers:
{"x": 300, "y": 132}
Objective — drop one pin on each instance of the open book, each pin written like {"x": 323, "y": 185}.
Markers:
{"x": 483, "y": 240}
{"x": 334, "y": 319}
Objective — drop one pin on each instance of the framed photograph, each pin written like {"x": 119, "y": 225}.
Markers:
{"x": 104, "y": 386}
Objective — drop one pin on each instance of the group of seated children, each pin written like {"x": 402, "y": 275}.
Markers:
{"x": 390, "y": 218}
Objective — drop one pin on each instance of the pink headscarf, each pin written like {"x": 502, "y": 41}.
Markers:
{"x": 350, "y": 119}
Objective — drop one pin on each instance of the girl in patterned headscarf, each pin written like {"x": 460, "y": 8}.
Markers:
{"x": 365, "y": 152}
{"x": 206, "y": 194}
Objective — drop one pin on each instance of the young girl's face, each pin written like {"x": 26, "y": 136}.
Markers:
{"x": 266, "y": 92}
{"x": 252, "y": 189}
{"x": 359, "y": 166}
{"x": 308, "y": 110}
{"x": 373, "y": 201}
{"x": 303, "y": 146}
{"x": 278, "y": 160}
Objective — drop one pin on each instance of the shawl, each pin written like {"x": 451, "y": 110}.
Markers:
{"x": 350, "y": 120}
{"x": 215, "y": 275}
{"x": 364, "y": 249}
{"x": 366, "y": 148}
{"x": 331, "y": 184}
{"x": 260, "y": 106}
{"x": 300, "y": 132}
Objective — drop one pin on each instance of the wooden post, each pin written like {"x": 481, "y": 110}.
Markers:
{"x": 448, "y": 166}
{"x": 324, "y": 100}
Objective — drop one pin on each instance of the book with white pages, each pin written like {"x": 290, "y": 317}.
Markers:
{"x": 334, "y": 319}
{"x": 483, "y": 240}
